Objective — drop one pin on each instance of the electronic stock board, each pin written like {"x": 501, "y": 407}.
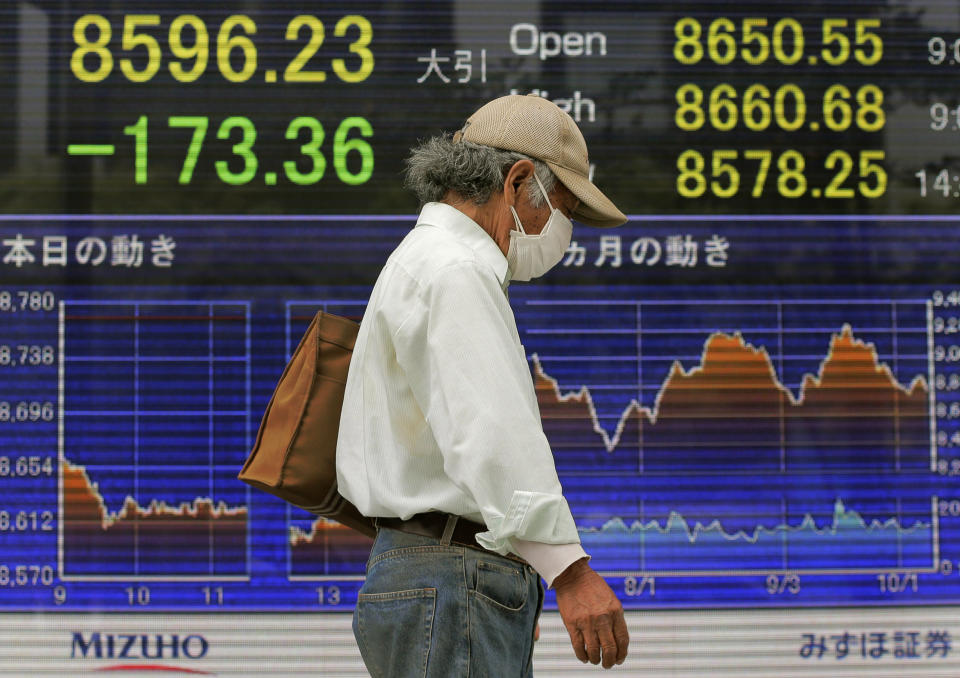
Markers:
{"x": 752, "y": 389}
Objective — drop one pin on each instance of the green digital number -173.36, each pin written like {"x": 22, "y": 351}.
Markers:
{"x": 245, "y": 166}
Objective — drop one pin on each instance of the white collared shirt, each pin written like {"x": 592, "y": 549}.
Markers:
{"x": 440, "y": 412}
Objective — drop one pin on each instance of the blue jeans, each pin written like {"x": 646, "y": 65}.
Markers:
{"x": 431, "y": 610}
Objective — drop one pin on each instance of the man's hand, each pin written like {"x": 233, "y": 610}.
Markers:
{"x": 592, "y": 614}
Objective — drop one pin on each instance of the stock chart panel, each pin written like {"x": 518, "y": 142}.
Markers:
{"x": 752, "y": 389}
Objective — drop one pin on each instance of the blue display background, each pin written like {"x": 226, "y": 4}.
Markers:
{"x": 787, "y": 286}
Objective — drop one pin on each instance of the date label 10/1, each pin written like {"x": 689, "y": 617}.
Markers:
{"x": 898, "y": 582}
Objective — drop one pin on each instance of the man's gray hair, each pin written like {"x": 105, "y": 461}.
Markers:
{"x": 472, "y": 171}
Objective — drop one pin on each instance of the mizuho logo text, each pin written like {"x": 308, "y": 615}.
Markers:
{"x": 97, "y": 645}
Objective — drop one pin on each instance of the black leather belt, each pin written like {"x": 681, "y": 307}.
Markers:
{"x": 435, "y": 523}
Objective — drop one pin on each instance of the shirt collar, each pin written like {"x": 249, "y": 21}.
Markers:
{"x": 469, "y": 232}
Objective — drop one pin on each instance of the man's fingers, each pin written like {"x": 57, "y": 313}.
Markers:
{"x": 609, "y": 655}
{"x": 592, "y": 642}
{"x": 622, "y": 635}
{"x": 608, "y": 643}
{"x": 576, "y": 640}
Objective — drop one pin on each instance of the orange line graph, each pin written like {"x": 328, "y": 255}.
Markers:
{"x": 320, "y": 529}
{"x": 736, "y": 380}
{"x": 84, "y": 504}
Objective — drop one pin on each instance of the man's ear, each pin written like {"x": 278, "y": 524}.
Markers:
{"x": 517, "y": 176}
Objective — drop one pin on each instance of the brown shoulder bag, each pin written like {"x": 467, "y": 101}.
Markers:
{"x": 295, "y": 455}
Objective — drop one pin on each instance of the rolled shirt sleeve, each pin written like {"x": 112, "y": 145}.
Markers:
{"x": 462, "y": 355}
{"x": 548, "y": 560}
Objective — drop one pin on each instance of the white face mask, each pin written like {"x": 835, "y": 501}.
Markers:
{"x": 530, "y": 256}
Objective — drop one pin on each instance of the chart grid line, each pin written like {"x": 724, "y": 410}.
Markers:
{"x": 639, "y": 312}
{"x": 136, "y": 435}
{"x": 61, "y": 396}
{"x": 780, "y": 403}
{"x": 932, "y": 390}
{"x": 896, "y": 370}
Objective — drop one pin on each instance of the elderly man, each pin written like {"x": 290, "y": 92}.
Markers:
{"x": 440, "y": 436}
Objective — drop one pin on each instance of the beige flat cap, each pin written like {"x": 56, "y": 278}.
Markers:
{"x": 538, "y": 128}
